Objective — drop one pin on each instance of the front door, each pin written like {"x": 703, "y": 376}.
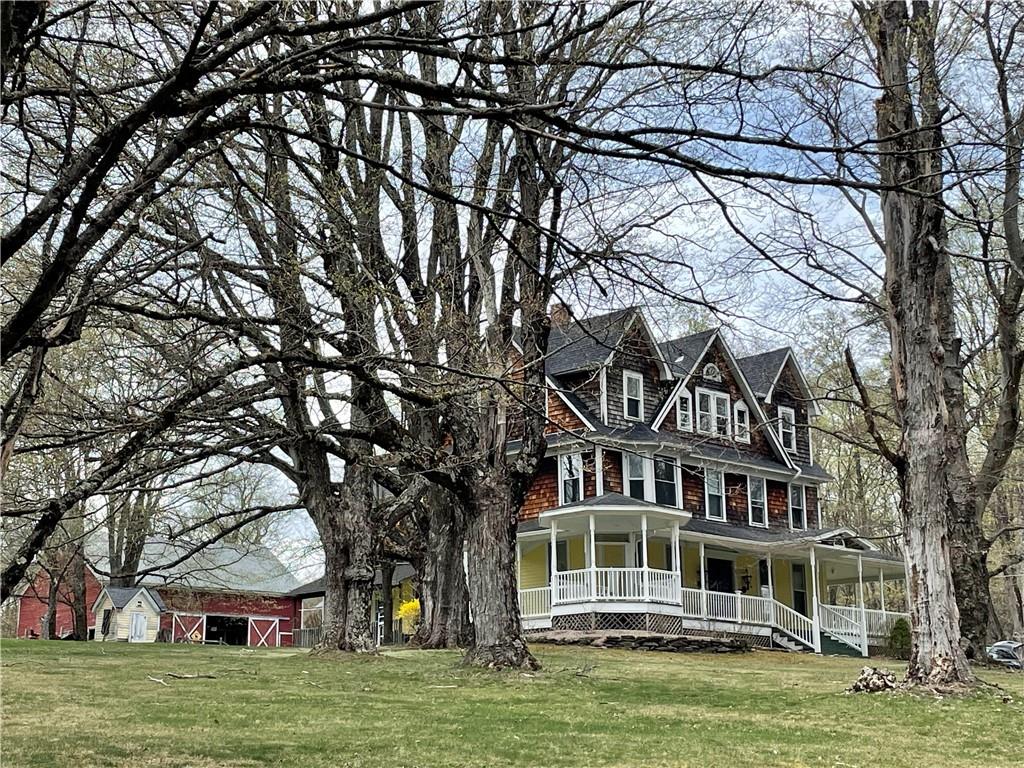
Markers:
{"x": 720, "y": 575}
{"x": 800, "y": 589}
{"x": 137, "y": 628}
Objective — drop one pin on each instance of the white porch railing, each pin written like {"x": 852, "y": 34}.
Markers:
{"x": 535, "y": 602}
{"x": 572, "y": 586}
{"x": 880, "y": 624}
{"x": 755, "y": 610}
{"x": 663, "y": 586}
{"x": 842, "y": 623}
{"x": 619, "y": 583}
{"x": 793, "y": 623}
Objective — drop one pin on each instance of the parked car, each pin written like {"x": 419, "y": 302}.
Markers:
{"x": 1008, "y": 653}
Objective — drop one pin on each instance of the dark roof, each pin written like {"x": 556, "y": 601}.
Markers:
{"x": 315, "y": 587}
{"x": 814, "y": 471}
{"x": 682, "y": 353}
{"x": 586, "y": 343}
{"x": 121, "y": 596}
{"x": 761, "y": 370}
{"x": 616, "y": 500}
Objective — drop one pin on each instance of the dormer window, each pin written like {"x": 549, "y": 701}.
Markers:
{"x": 713, "y": 416}
{"x": 632, "y": 396}
{"x": 711, "y": 372}
{"x": 787, "y": 428}
{"x": 741, "y": 418}
{"x": 684, "y": 414}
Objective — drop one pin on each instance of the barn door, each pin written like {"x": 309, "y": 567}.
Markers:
{"x": 187, "y": 628}
{"x": 263, "y": 632}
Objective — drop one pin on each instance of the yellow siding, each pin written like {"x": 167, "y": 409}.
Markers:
{"x": 611, "y": 556}
{"x": 783, "y": 582}
{"x": 577, "y": 553}
{"x": 656, "y": 554}
{"x": 533, "y": 566}
{"x": 691, "y": 565}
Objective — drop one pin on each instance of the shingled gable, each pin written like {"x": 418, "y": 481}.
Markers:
{"x": 687, "y": 345}
{"x": 764, "y": 369}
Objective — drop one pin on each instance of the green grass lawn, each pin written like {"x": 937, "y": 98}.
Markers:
{"x": 87, "y": 704}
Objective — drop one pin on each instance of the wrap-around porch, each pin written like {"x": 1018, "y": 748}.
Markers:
{"x": 684, "y": 574}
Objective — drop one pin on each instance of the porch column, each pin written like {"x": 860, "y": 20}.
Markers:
{"x": 593, "y": 560}
{"x": 677, "y": 564}
{"x": 703, "y": 584}
{"x": 643, "y": 555}
{"x": 554, "y": 562}
{"x": 860, "y": 603}
{"x": 519, "y": 559}
{"x": 814, "y": 602}
{"x": 599, "y": 469}
{"x": 881, "y": 588}
{"x": 771, "y": 590}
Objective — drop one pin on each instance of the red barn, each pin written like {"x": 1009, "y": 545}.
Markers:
{"x": 229, "y": 594}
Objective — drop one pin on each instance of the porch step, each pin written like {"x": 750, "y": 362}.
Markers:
{"x": 832, "y": 647}
{"x": 783, "y": 640}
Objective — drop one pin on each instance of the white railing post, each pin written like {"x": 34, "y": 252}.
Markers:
{"x": 739, "y": 607}
{"x": 703, "y": 585}
{"x": 863, "y": 613}
{"x": 643, "y": 557}
{"x": 593, "y": 560}
{"x": 881, "y": 590}
{"x": 677, "y": 564}
{"x": 554, "y": 562}
{"x": 815, "y": 626}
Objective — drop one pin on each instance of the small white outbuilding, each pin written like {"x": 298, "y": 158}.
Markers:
{"x": 128, "y": 614}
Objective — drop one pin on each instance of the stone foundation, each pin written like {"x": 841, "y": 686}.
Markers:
{"x": 643, "y": 641}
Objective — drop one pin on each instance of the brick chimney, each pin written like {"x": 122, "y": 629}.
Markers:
{"x": 560, "y": 317}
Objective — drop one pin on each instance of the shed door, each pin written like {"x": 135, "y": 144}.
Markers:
{"x": 263, "y": 632}
{"x": 137, "y": 628}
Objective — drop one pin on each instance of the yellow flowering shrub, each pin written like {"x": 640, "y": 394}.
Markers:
{"x": 409, "y": 613}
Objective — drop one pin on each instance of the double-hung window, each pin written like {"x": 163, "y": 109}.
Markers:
{"x": 741, "y": 417}
{"x": 714, "y": 493}
{"x": 787, "y": 427}
{"x": 632, "y": 395}
{"x": 635, "y": 476}
{"x": 665, "y": 481}
{"x": 684, "y": 415}
{"x": 570, "y": 469}
{"x": 758, "y": 506}
{"x": 797, "y": 508}
{"x": 713, "y": 413}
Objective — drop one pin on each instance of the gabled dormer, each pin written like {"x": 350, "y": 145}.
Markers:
{"x": 785, "y": 396}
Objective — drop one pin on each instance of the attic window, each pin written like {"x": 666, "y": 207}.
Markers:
{"x": 632, "y": 395}
{"x": 684, "y": 414}
{"x": 787, "y": 428}
{"x": 741, "y": 418}
{"x": 711, "y": 372}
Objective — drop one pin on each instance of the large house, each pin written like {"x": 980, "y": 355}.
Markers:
{"x": 679, "y": 494}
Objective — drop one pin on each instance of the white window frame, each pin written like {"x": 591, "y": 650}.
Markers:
{"x": 782, "y": 411}
{"x": 674, "y": 464}
{"x": 803, "y": 501}
{"x": 577, "y": 464}
{"x": 738, "y": 408}
{"x": 686, "y": 425}
{"x": 626, "y": 376}
{"x": 721, "y": 492}
{"x": 713, "y": 398}
{"x": 751, "y": 481}
{"x": 626, "y": 477}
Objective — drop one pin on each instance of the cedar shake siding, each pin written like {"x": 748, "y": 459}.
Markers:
{"x": 787, "y": 393}
{"x": 813, "y": 518}
{"x": 612, "y": 472}
{"x": 693, "y": 490}
{"x": 778, "y": 504}
{"x": 586, "y": 385}
{"x": 560, "y": 416}
{"x": 736, "y": 499}
{"x": 543, "y": 493}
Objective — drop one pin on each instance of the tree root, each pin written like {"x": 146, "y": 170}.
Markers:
{"x": 511, "y": 655}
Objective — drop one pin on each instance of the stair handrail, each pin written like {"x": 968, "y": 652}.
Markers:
{"x": 793, "y": 623}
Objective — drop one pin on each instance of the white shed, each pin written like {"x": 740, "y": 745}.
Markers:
{"x": 130, "y": 614}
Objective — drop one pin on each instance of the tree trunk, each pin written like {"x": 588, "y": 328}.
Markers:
{"x": 335, "y": 593}
{"x": 444, "y": 597}
{"x": 919, "y": 313}
{"x": 969, "y": 562}
{"x": 359, "y": 570}
{"x": 49, "y": 628}
{"x": 491, "y": 544}
{"x": 387, "y": 602}
{"x": 76, "y": 592}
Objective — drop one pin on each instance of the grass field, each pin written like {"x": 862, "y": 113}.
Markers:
{"x": 86, "y": 704}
